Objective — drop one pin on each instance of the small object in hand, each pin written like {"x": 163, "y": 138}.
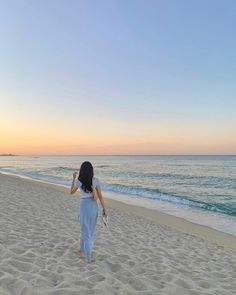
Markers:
{"x": 105, "y": 220}
{"x": 105, "y": 217}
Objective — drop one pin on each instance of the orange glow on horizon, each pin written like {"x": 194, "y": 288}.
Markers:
{"x": 141, "y": 148}
{"x": 33, "y": 134}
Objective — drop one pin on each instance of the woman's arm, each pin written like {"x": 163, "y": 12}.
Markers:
{"x": 100, "y": 197}
{"x": 73, "y": 188}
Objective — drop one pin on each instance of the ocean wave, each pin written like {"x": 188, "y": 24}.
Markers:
{"x": 189, "y": 177}
{"x": 61, "y": 168}
{"x": 156, "y": 194}
{"x": 59, "y": 175}
{"x": 102, "y": 166}
{"x": 208, "y": 181}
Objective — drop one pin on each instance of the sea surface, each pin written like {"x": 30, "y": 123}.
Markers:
{"x": 201, "y": 189}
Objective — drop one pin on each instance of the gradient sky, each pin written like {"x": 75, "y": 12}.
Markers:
{"x": 118, "y": 77}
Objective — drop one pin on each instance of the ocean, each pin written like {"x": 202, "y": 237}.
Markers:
{"x": 201, "y": 189}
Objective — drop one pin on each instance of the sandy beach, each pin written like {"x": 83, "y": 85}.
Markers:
{"x": 143, "y": 252}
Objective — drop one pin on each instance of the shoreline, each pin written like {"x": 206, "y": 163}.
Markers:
{"x": 219, "y": 221}
{"x": 164, "y": 219}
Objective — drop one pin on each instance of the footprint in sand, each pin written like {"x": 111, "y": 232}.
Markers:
{"x": 204, "y": 284}
{"x": 114, "y": 267}
{"x": 6, "y": 281}
{"x": 56, "y": 279}
{"x": 21, "y": 266}
{"x": 123, "y": 257}
{"x": 137, "y": 284}
{"x": 97, "y": 278}
{"x": 17, "y": 250}
{"x": 182, "y": 283}
{"x": 194, "y": 292}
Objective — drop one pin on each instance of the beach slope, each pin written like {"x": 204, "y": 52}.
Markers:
{"x": 143, "y": 252}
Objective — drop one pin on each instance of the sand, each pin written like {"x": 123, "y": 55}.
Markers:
{"x": 143, "y": 252}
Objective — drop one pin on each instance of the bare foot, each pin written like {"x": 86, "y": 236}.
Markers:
{"x": 80, "y": 253}
{"x": 88, "y": 261}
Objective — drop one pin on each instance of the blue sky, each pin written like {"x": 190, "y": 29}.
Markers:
{"x": 162, "y": 66}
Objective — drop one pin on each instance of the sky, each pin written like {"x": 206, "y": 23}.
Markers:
{"x": 118, "y": 77}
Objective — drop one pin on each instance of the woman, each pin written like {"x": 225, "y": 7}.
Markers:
{"x": 86, "y": 182}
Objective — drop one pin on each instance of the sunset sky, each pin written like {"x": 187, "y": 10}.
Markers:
{"x": 118, "y": 77}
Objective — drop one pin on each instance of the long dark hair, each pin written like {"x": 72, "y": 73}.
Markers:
{"x": 86, "y": 176}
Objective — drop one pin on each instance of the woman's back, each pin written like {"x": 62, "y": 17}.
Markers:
{"x": 95, "y": 183}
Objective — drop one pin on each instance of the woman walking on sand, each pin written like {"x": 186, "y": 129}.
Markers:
{"x": 89, "y": 187}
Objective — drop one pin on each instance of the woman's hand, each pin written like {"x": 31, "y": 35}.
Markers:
{"x": 73, "y": 187}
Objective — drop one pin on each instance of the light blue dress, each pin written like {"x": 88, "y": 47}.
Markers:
{"x": 88, "y": 219}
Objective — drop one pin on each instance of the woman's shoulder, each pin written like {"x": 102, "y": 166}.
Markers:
{"x": 96, "y": 181}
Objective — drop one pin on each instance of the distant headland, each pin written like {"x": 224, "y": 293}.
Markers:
{"x": 7, "y": 155}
